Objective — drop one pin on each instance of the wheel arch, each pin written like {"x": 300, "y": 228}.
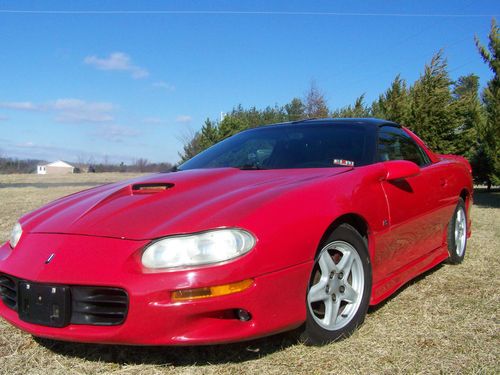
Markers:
{"x": 466, "y": 196}
{"x": 355, "y": 220}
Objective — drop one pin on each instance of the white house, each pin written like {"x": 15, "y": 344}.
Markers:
{"x": 57, "y": 167}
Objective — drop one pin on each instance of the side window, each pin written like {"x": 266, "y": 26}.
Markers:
{"x": 395, "y": 144}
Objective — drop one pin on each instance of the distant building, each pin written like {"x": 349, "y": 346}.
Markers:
{"x": 57, "y": 167}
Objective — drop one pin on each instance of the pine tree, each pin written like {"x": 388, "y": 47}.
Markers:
{"x": 467, "y": 107}
{"x": 191, "y": 148}
{"x": 431, "y": 111}
{"x": 394, "y": 104}
{"x": 209, "y": 134}
{"x": 272, "y": 115}
{"x": 358, "y": 110}
{"x": 232, "y": 124}
{"x": 295, "y": 110}
{"x": 489, "y": 134}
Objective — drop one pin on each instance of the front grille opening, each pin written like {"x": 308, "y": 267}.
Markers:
{"x": 98, "y": 305}
{"x": 8, "y": 291}
{"x": 102, "y": 306}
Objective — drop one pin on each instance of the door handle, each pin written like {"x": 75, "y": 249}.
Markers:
{"x": 443, "y": 182}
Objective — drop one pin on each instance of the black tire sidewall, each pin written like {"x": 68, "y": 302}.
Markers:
{"x": 313, "y": 333}
{"x": 454, "y": 258}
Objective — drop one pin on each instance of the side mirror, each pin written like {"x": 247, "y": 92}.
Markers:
{"x": 399, "y": 169}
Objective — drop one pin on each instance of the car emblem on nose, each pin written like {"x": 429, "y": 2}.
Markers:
{"x": 49, "y": 259}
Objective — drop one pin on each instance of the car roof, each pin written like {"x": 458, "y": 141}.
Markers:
{"x": 366, "y": 122}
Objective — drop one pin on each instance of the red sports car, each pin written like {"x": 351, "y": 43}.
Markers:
{"x": 301, "y": 224}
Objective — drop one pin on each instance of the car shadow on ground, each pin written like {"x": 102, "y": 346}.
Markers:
{"x": 218, "y": 354}
{"x": 174, "y": 355}
{"x": 194, "y": 355}
{"x": 215, "y": 354}
{"x": 487, "y": 199}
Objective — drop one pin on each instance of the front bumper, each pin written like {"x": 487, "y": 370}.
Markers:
{"x": 276, "y": 300}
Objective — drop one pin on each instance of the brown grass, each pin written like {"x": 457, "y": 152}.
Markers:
{"x": 446, "y": 321}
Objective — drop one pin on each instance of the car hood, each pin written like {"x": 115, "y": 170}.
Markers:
{"x": 169, "y": 203}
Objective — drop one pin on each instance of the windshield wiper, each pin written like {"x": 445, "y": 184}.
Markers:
{"x": 251, "y": 167}
{"x": 173, "y": 169}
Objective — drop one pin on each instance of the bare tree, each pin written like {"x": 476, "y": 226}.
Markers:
{"x": 141, "y": 164}
{"x": 81, "y": 162}
{"x": 315, "y": 102}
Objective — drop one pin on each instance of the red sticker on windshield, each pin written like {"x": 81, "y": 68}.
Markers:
{"x": 345, "y": 163}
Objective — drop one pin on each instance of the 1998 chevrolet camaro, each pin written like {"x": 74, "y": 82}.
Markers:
{"x": 292, "y": 225}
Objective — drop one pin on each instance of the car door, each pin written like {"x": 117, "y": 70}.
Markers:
{"x": 415, "y": 220}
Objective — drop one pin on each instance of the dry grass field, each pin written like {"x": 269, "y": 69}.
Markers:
{"x": 447, "y": 321}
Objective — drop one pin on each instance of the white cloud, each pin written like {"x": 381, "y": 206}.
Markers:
{"x": 152, "y": 120}
{"x": 72, "y": 104}
{"x": 68, "y": 110}
{"x": 115, "y": 133}
{"x": 3, "y": 118}
{"x": 117, "y": 61}
{"x": 183, "y": 119}
{"x": 23, "y": 106}
{"x": 78, "y": 111}
{"x": 163, "y": 85}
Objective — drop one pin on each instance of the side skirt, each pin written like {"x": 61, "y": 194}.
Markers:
{"x": 384, "y": 288}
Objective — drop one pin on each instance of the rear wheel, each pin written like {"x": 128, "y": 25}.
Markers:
{"x": 339, "y": 287}
{"x": 457, "y": 234}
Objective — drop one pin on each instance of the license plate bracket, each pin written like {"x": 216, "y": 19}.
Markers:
{"x": 47, "y": 305}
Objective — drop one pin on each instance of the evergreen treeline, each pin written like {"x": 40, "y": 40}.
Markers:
{"x": 450, "y": 116}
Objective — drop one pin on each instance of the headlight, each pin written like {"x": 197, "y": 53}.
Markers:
{"x": 197, "y": 249}
{"x": 15, "y": 235}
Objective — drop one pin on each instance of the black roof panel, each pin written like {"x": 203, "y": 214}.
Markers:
{"x": 368, "y": 122}
{"x": 360, "y": 121}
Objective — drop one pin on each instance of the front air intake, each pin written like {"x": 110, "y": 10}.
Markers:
{"x": 93, "y": 305}
{"x": 8, "y": 291}
{"x": 98, "y": 305}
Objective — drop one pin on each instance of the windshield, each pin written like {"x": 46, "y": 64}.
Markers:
{"x": 290, "y": 146}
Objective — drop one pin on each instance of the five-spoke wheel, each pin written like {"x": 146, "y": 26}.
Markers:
{"x": 339, "y": 287}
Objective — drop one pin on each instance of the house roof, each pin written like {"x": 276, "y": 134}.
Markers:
{"x": 59, "y": 163}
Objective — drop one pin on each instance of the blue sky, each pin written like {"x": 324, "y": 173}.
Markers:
{"x": 118, "y": 86}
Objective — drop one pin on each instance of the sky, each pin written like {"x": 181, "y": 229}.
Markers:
{"x": 113, "y": 81}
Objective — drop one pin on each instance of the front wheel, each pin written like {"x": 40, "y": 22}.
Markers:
{"x": 457, "y": 234}
{"x": 339, "y": 288}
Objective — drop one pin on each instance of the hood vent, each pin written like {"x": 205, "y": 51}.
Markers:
{"x": 151, "y": 188}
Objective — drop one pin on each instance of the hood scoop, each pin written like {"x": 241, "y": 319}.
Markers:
{"x": 151, "y": 187}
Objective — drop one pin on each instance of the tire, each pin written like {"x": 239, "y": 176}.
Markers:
{"x": 339, "y": 291}
{"x": 457, "y": 234}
